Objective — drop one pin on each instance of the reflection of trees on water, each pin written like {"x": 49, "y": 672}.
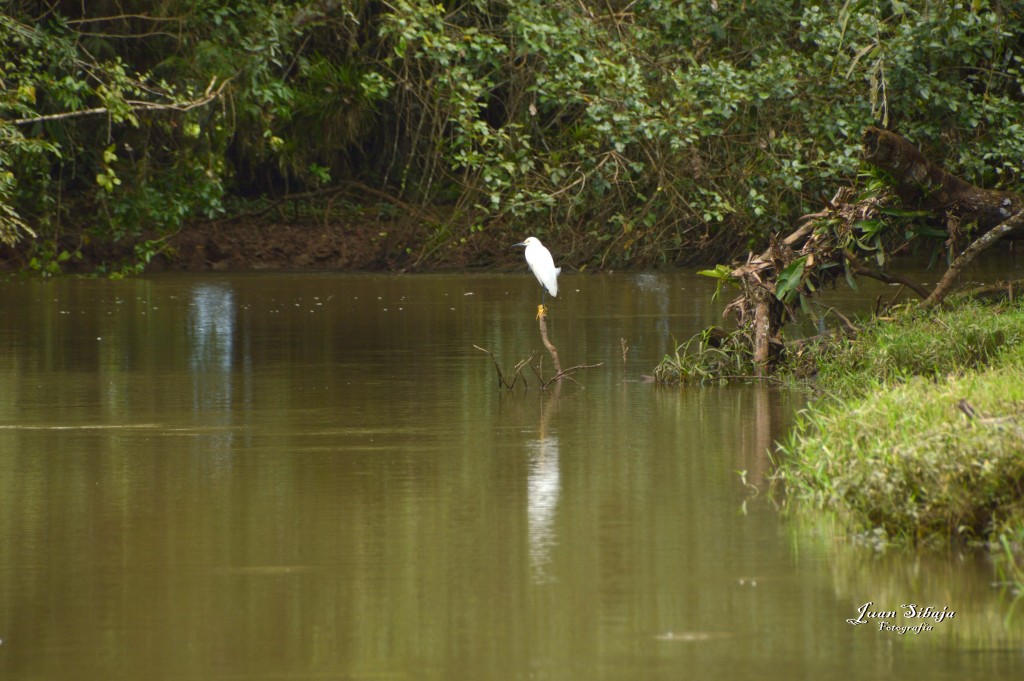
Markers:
{"x": 988, "y": 614}
{"x": 543, "y": 486}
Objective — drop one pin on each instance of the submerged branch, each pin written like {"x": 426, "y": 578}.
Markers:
{"x": 517, "y": 371}
{"x": 570, "y": 371}
{"x": 560, "y": 374}
{"x": 542, "y": 321}
{"x": 858, "y": 267}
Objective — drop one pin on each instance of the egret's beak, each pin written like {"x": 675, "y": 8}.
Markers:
{"x": 519, "y": 244}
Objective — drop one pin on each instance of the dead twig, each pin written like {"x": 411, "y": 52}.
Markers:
{"x": 850, "y": 326}
{"x": 517, "y": 372}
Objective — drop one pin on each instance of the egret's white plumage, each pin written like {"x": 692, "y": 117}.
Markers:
{"x": 541, "y": 264}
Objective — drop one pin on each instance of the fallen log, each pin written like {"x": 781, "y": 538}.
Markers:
{"x": 923, "y": 185}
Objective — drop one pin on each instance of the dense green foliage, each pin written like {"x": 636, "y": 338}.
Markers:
{"x": 921, "y": 433}
{"x": 632, "y": 133}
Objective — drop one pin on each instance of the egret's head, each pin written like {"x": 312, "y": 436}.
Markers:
{"x": 527, "y": 241}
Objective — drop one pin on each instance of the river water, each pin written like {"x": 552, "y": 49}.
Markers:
{"x": 275, "y": 476}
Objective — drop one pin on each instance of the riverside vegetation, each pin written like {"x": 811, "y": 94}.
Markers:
{"x": 917, "y": 435}
{"x": 621, "y": 133}
{"x": 920, "y": 427}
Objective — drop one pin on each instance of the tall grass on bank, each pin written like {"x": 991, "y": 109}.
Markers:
{"x": 921, "y": 433}
{"x": 891, "y": 351}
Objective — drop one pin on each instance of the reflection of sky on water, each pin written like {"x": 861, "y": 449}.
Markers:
{"x": 543, "y": 486}
{"x": 212, "y": 336}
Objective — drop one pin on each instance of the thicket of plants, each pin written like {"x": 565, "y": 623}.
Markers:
{"x": 639, "y": 132}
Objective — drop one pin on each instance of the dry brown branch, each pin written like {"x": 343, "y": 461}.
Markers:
{"x": 803, "y": 231}
{"x": 570, "y": 371}
{"x": 850, "y": 327}
{"x": 542, "y": 321}
{"x": 857, "y": 266}
{"x": 517, "y": 371}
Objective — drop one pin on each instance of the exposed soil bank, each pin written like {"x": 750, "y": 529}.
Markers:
{"x": 240, "y": 246}
{"x": 398, "y": 245}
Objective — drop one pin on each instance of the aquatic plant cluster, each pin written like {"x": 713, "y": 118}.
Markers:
{"x": 920, "y": 428}
{"x": 709, "y": 357}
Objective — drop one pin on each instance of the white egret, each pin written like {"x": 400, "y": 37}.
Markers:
{"x": 543, "y": 267}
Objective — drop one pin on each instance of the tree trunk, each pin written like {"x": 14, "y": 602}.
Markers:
{"x": 762, "y": 337}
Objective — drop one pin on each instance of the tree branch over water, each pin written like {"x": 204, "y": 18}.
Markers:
{"x": 134, "y": 106}
{"x": 984, "y": 242}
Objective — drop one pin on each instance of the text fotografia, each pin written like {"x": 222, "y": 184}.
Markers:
{"x": 887, "y": 619}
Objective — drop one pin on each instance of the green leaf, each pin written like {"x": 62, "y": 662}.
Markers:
{"x": 849, "y": 275}
{"x": 869, "y": 227}
{"x": 720, "y": 272}
{"x": 723, "y": 273}
{"x": 789, "y": 279}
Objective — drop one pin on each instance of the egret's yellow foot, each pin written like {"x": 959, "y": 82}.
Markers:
{"x": 541, "y": 311}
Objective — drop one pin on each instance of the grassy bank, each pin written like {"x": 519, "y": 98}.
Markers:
{"x": 919, "y": 433}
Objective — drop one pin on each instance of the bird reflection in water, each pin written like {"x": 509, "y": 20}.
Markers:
{"x": 543, "y": 485}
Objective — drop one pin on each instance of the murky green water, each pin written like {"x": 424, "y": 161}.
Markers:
{"x": 315, "y": 477}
